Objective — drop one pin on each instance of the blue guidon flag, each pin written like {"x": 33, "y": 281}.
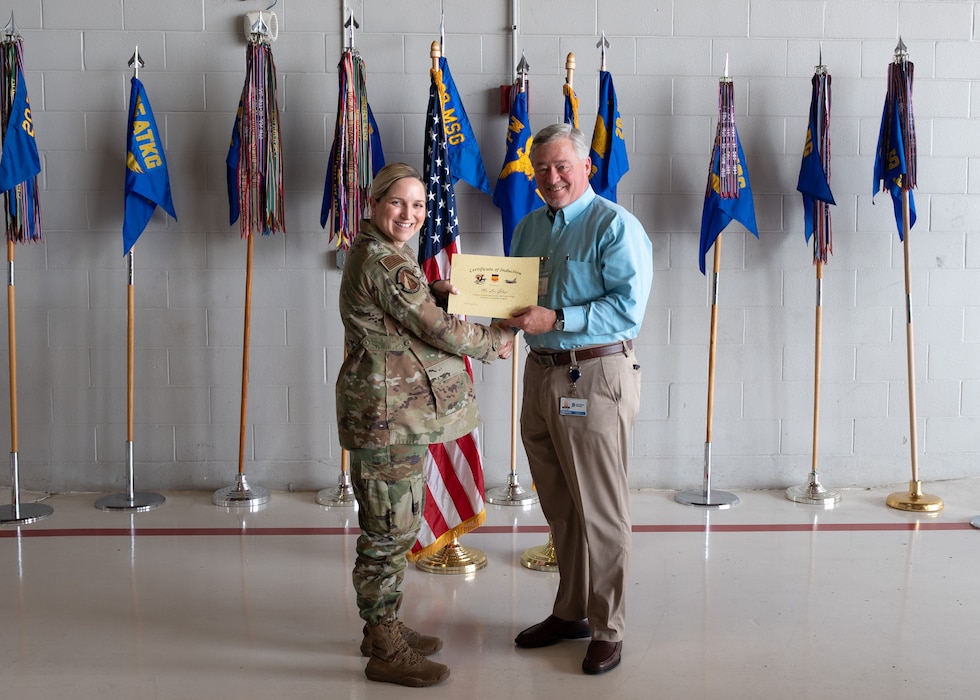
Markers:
{"x": 814, "y": 180}
{"x": 147, "y": 179}
{"x": 895, "y": 156}
{"x": 728, "y": 194}
{"x": 516, "y": 193}
{"x": 465, "y": 160}
{"x": 20, "y": 165}
{"x": 609, "y": 159}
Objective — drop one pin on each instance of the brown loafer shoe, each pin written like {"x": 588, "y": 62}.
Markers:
{"x": 551, "y": 631}
{"x": 602, "y": 656}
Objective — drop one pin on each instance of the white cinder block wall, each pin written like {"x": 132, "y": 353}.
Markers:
{"x": 666, "y": 57}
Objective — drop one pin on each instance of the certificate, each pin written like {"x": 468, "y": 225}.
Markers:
{"x": 492, "y": 286}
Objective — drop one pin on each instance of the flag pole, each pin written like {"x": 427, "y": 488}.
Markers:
{"x": 813, "y": 493}
{"x": 706, "y": 497}
{"x": 513, "y": 494}
{"x": 16, "y": 512}
{"x": 131, "y": 500}
{"x": 543, "y": 557}
{"x": 343, "y": 494}
{"x": 241, "y": 493}
{"x": 914, "y": 499}
{"x": 453, "y": 558}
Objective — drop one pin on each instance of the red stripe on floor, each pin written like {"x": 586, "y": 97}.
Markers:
{"x": 486, "y": 529}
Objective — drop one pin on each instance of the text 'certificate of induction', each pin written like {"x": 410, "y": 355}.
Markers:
{"x": 492, "y": 286}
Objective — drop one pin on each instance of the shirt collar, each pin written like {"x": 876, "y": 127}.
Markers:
{"x": 571, "y": 211}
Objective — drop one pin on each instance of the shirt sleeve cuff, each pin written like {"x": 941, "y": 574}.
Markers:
{"x": 574, "y": 318}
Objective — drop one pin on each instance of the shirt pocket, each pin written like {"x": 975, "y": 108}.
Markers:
{"x": 449, "y": 384}
{"x": 579, "y": 283}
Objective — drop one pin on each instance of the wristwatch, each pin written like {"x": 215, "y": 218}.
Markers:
{"x": 560, "y": 321}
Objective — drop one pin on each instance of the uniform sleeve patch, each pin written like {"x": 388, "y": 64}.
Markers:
{"x": 407, "y": 280}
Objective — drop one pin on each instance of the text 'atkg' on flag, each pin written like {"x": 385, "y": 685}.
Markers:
{"x": 516, "y": 192}
{"x": 728, "y": 194}
{"x": 454, "y": 501}
{"x": 609, "y": 158}
{"x": 147, "y": 179}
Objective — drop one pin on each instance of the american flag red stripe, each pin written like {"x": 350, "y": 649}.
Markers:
{"x": 454, "y": 471}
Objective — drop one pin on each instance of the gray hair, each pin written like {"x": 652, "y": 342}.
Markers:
{"x": 554, "y": 132}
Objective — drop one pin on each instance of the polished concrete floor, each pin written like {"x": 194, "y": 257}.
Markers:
{"x": 767, "y": 600}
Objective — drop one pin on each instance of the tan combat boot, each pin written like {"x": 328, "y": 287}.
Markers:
{"x": 424, "y": 644}
{"x": 393, "y": 661}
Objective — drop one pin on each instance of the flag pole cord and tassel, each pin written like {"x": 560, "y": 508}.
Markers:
{"x": 726, "y": 151}
{"x": 261, "y": 207}
{"x": 22, "y": 223}
{"x": 813, "y": 492}
{"x": 131, "y": 500}
{"x": 513, "y": 494}
{"x": 900, "y": 74}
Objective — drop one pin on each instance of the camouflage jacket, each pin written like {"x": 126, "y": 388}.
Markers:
{"x": 403, "y": 380}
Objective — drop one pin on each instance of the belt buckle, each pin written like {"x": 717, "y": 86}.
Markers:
{"x": 545, "y": 360}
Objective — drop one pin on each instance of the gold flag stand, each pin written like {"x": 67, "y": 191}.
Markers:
{"x": 914, "y": 499}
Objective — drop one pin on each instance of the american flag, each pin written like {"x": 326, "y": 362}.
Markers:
{"x": 454, "y": 471}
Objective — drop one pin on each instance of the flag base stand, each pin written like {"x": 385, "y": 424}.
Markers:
{"x": 241, "y": 495}
{"x": 453, "y": 559}
{"x": 813, "y": 493}
{"x": 24, "y": 513}
{"x": 707, "y": 497}
{"x": 139, "y": 501}
{"x": 542, "y": 557}
{"x": 718, "y": 500}
{"x": 513, "y": 494}
{"x": 17, "y": 512}
{"x": 132, "y": 500}
{"x": 343, "y": 495}
{"x": 914, "y": 500}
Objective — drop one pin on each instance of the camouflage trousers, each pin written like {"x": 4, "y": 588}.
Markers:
{"x": 389, "y": 483}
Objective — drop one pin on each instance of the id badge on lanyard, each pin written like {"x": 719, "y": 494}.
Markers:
{"x": 573, "y": 404}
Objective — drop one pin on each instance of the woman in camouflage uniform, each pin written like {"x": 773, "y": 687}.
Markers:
{"x": 403, "y": 385}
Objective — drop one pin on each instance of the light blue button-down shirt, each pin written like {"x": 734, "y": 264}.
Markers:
{"x": 596, "y": 265}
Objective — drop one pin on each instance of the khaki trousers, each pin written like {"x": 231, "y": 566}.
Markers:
{"x": 579, "y": 466}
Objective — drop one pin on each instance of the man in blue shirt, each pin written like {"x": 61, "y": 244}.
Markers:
{"x": 582, "y": 389}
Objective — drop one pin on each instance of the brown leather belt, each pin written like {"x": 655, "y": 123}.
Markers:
{"x": 557, "y": 359}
